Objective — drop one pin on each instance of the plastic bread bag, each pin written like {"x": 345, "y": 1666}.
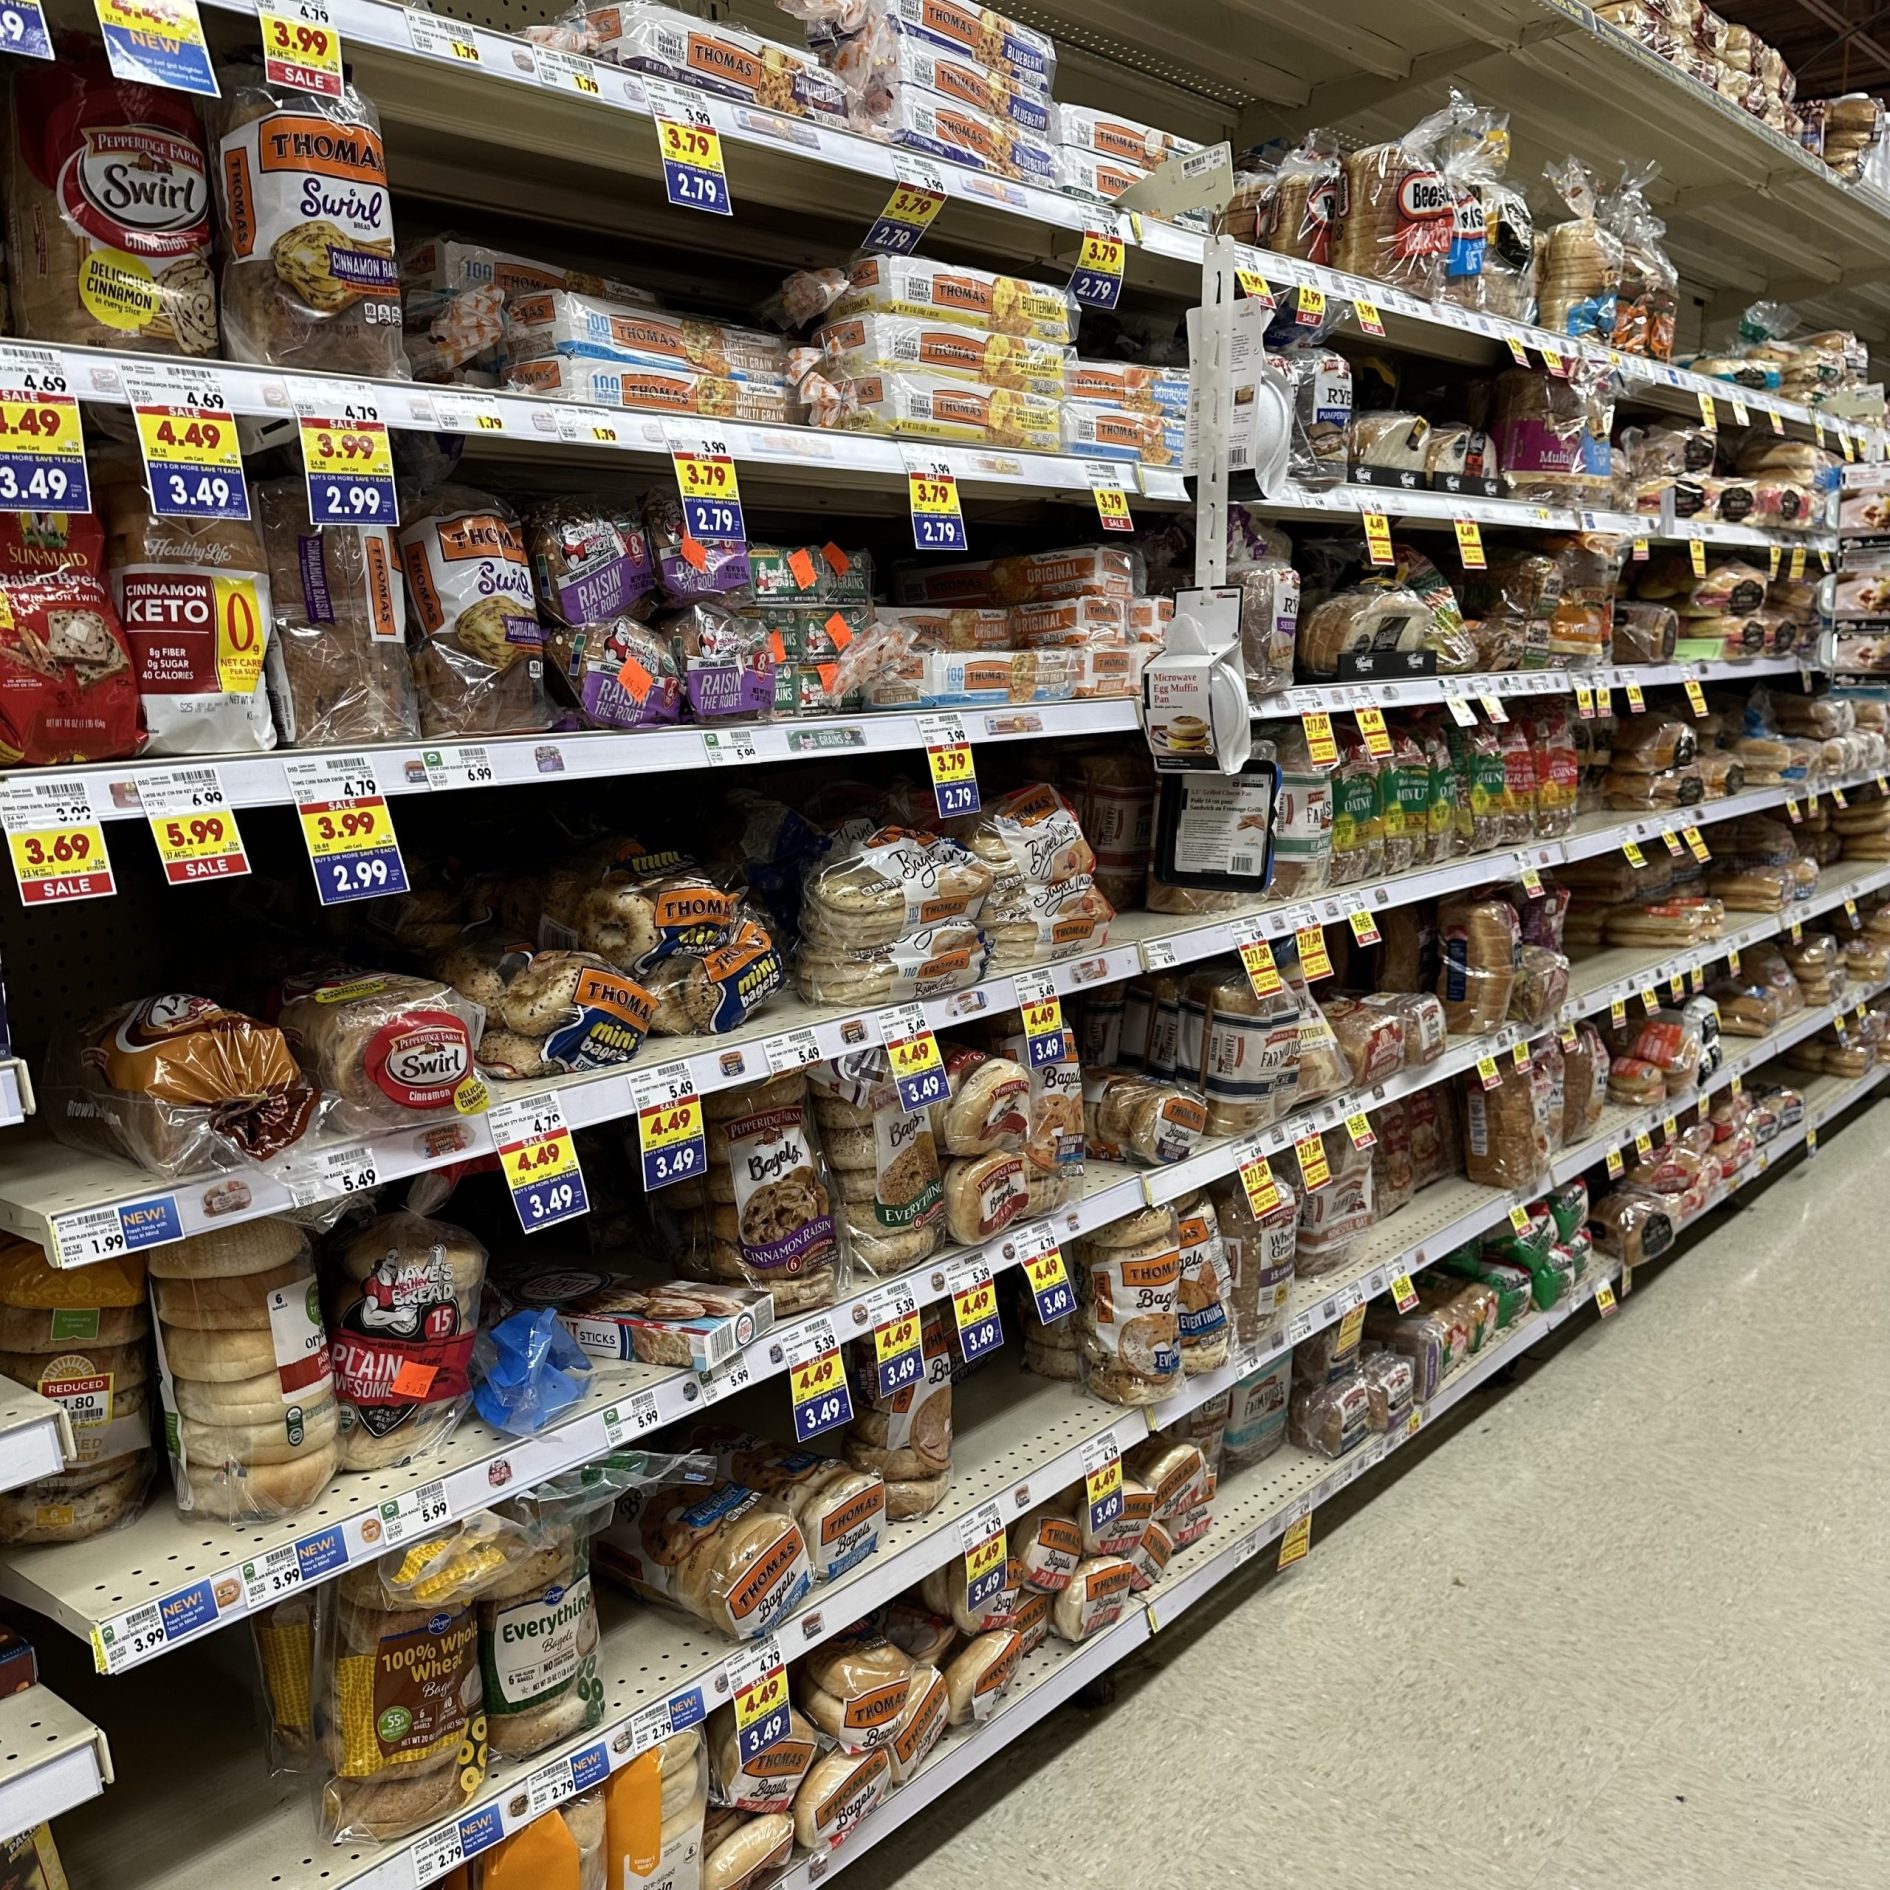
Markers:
{"x": 725, "y": 658}
{"x": 177, "y": 1084}
{"x": 1302, "y": 819}
{"x": 1330, "y": 1419}
{"x": 1055, "y": 1140}
{"x": 885, "y": 1163}
{"x": 655, "y": 1812}
{"x": 769, "y": 1220}
{"x": 1203, "y": 1288}
{"x": 1550, "y": 730}
{"x": 906, "y": 1437}
{"x": 1541, "y": 986}
{"x": 1649, "y": 283}
{"x": 337, "y": 664}
{"x": 892, "y": 882}
{"x": 720, "y": 1554}
{"x": 193, "y": 595}
{"x": 392, "y": 1050}
{"x": 1506, "y": 1131}
{"x": 1551, "y": 434}
{"x": 76, "y": 1337}
{"x": 548, "y": 1012}
{"x": 1030, "y": 836}
{"x": 1446, "y": 639}
{"x": 1581, "y": 262}
{"x": 399, "y": 1707}
{"x": 1644, "y": 633}
{"x": 1393, "y": 1175}
{"x": 1269, "y": 624}
{"x": 306, "y": 220}
{"x": 765, "y": 1784}
{"x": 1322, "y": 1065}
{"x": 1321, "y": 381}
{"x": 840, "y": 1508}
{"x": 1335, "y": 1216}
{"x": 539, "y": 1634}
{"x": 712, "y": 987}
{"x": 1256, "y": 1418}
{"x": 1372, "y": 1039}
{"x": 403, "y": 1311}
{"x": 1140, "y": 1119}
{"x": 724, "y": 571}
{"x": 1494, "y": 217}
{"x": 617, "y": 675}
{"x": 1308, "y": 191}
{"x": 1249, "y": 1050}
{"x": 1399, "y": 211}
{"x": 478, "y": 651}
{"x": 1482, "y": 945}
{"x": 1377, "y": 617}
{"x": 1127, "y": 1277}
{"x": 950, "y": 956}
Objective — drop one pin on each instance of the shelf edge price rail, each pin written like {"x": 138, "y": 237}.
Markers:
{"x": 347, "y": 828}
{"x": 538, "y": 1161}
{"x": 42, "y": 440}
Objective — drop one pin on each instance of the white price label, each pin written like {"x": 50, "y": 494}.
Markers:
{"x": 435, "y": 1854}
{"x": 722, "y": 748}
{"x": 549, "y": 1785}
{"x": 271, "y": 1576}
{"x": 127, "y": 1638}
{"x": 1158, "y": 954}
{"x": 100, "y": 1233}
{"x": 625, "y": 1421}
{"x": 451, "y": 40}
{"x": 417, "y": 1513}
{"x": 650, "y": 1726}
{"x": 792, "y": 1051}
{"x": 457, "y": 767}
{"x": 351, "y": 1168}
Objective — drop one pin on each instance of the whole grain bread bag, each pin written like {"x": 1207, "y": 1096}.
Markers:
{"x": 178, "y": 1084}
{"x": 477, "y": 647}
{"x": 338, "y": 668}
{"x": 79, "y": 1337}
{"x": 307, "y": 228}
{"x": 193, "y": 595}
{"x": 108, "y": 210}
{"x": 403, "y": 1310}
{"x": 67, "y": 692}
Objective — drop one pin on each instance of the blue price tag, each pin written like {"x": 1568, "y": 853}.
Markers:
{"x": 1055, "y": 1302}
{"x": 956, "y": 797}
{"x": 718, "y": 521}
{"x": 770, "y": 1729}
{"x": 1105, "y": 1511}
{"x": 23, "y": 30}
{"x": 939, "y": 533}
{"x": 903, "y": 1369}
{"x": 987, "y": 1585}
{"x": 921, "y": 1091}
{"x": 555, "y": 1198}
{"x": 823, "y": 1413}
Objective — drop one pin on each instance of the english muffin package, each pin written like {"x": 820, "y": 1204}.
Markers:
{"x": 90, "y": 260}
{"x": 478, "y": 649}
{"x": 403, "y": 1311}
{"x": 307, "y": 223}
{"x": 78, "y": 1336}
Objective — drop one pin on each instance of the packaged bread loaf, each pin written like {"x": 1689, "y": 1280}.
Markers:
{"x": 193, "y": 596}
{"x": 337, "y": 666}
{"x": 1249, "y": 1049}
{"x": 1506, "y": 1130}
{"x": 178, "y": 1084}
{"x": 478, "y": 661}
{"x": 926, "y": 1714}
{"x": 1551, "y": 435}
{"x": 108, "y": 210}
{"x": 840, "y": 1790}
{"x": 1127, "y": 1276}
{"x": 78, "y": 1337}
{"x": 393, "y": 1050}
{"x": 654, "y": 1812}
{"x": 1136, "y": 1118}
{"x": 1099, "y": 1590}
{"x": 1259, "y": 1251}
{"x": 891, "y": 883}
{"x": 906, "y": 1437}
{"x": 1204, "y": 1287}
{"x": 769, "y": 1218}
{"x": 403, "y": 1312}
{"x": 720, "y": 1554}
{"x": 1482, "y": 943}
{"x": 853, "y": 1688}
{"x": 399, "y": 1703}
{"x": 1336, "y": 1215}
{"x": 884, "y": 1160}
{"x": 539, "y": 1634}
{"x": 1399, "y": 212}
{"x": 306, "y": 222}
{"x": 243, "y": 1361}
{"x": 547, "y": 1012}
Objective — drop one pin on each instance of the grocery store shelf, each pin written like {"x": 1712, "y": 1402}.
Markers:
{"x": 51, "y": 1759}
{"x": 16, "y": 1092}
{"x": 35, "y": 1436}
{"x": 401, "y": 768}
{"x": 55, "y": 1194}
{"x": 1739, "y": 199}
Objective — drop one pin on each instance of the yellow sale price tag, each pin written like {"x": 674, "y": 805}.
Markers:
{"x": 1552, "y": 360}
{"x": 1045, "y": 1271}
{"x": 1112, "y": 507}
{"x": 698, "y": 146}
{"x": 1295, "y": 1543}
{"x": 1532, "y": 882}
{"x": 1469, "y": 544}
{"x": 1351, "y": 1326}
{"x": 1320, "y": 744}
{"x": 1584, "y": 701}
{"x": 1254, "y": 284}
{"x": 1363, "y": 928}
{"x": 705, "y": 475}
{"x": 1696, "y": 842}
{"x": 1643, "y": 1145}
{"x": 1617, "y": 1011}
{"x": 1616, "y": 1166}
{"x": 1043, "y": 1017}
{"x": 913, "y": 1055}
{"x": 1312, "y": 305}
{"x": 360, "y": 448}
{"x": 1837, "y": 794}
{"x": 1101, "y": 1483}
{"x": 760, "y": 1697}
{"x": 896, "y": 1337}
{"x": 1360, "y": 1130}
{"x": 1604, "y": 1298}
{"x": 1670, "y": 1127}
{"x": 1519, "y": 1219}
{"x": 1314, "y": 963}
{"x": 1403, "y": 1293}
{"x": 1696, "y": 696}
{"x": 1650, "y": 999}
{"x": 1518, "y": 353}
{"x": 1635, "y": 857}
{"x": 1101, "y": 253}
{"x": 974, "y": 1303}
{"x": 357, "y": 827}
{"x": 189, "y": 843}
{"x": 300, "y": 46}
{"x": 181, "y": 436}
{"x": 1367, "y": 314}
{"x": 1262, "y": 973}
{"x": 1708, "y": 412}
{"x": 816, "y": 1377}
{"x": 1263, "y": 1192}
{"x": 1520, "y": 1056}
{"x": 1493, "y": 708}
{"x": 669, "y": 1124}
{"x": 1696, "y": 556}
{"x": 1798, "y": 561}
{"x": 53, "y": 864}
{"x": 1604, "y": 699}
{"x": 982, "y": 1557}
{"x": 1377, "y": 537}
{"x": 1371, "y": 725}
{"x": 1672, "y": 842}
{"x": 1635, "y": 699}
{"x": 1487, "y": 1070}
{"x": 1313, "y": 1169}
{"x": 1640, "y": 553}
{"x": 950, "y": 765}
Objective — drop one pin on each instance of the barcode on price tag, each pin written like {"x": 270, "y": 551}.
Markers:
{"x": 271, "y": 1575}
{"x": 418, "y": 1513}
{"x": 626, "y": 1420}
{"x": 127, "y": 1638}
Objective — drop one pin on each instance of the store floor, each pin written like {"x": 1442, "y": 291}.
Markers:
{"x": 1622, "y": 1624}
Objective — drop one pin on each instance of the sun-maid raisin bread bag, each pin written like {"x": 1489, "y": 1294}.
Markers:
{"x": 67, "y": 692}
{"x": 178, "y": 1084}
{"x": 307, "y": 229}
{"x": 478, "y": 649}
{"x": 193, "y": 596}
{"x": 108, "y": 210}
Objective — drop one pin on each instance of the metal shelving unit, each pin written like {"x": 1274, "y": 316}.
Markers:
{"x": 51, "y": 1759}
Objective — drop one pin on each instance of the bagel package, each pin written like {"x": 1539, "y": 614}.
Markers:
{"x": 739, "y": 1849}
{"x": 767, "y": 1782}
{"x": 654, "y": 1809}
{"x": 539, "y": 1636}
{"x": 768, "y": 1218}
{"x": 979, "y": 1675}
{"x": 1055, "y": 1142}
{"x": 721, "y": 1554}
{"x": 548, "y": 1013}
{"x": 1127, "y": 1277}
{"x": 853, "y": 1688}
{"x": 244, "y": 1371}
{"x": 560, "y": 1849}
{"x": 400, "y": 1710}
{"x": 884, "y": 1160}
{"x": 906, "y": 1437}
{"x": 841, "y": 1510}
{"x": 178, "y": 1084}
{"x": 403, "y": 1310}
{"x": 79, "y": 1337}
{"x": 392, "y": 1049}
